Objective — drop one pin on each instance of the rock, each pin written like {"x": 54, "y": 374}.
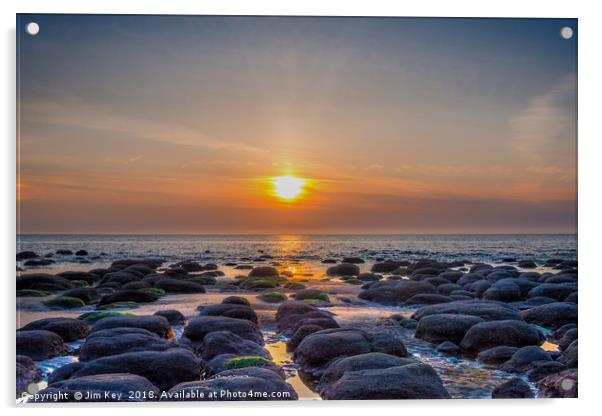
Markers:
{"x": 85, "y": 294}
{"x": 559, "y": 333}
{"x": 573, "y": 298}
{"x": 451, "y": 276}
{"x": 541, "y": 369}
{"x": 312, "y": 294}
{"x": 68, "y": 329}
{"x": 329, "y": 261}
{"x": 427, "y": 299}
{"x": 496, "y": 355}
{"x": 226, "y": 342}
{"x": 567, "y": 339}
{"x": 40, "y": 344}
{"x": 24, "y": 255}
{"x": 300, "y": 334}
{"x": 200, "y": 326}
{"x": 179, "y": 286}
{"x": 272, "y": 297}
{"x": 512, "y": 389}
{"x": 559, "y": 385}
{"x": 173, "y": 316}
{"x": 353, "y": 260}
{"x": 368, "y": 361}
{"x": 43, "y": 281}
{"x": 552, "y": 315}
{"x": 511, "y": 333}
{"x": 508, "y": 292}
{"x": 527, "y": 264}
{"x": 137, "y": 296}
{"x": 558, "y": 291}
{"x": 445, "y": 327}
{"x": 92, "y": 317}
{"x": 319, "y": 349}
{"x": 64, "y": 302}
{"x": 230, "y": 311}
{"x": 236, "y": 300}
{"x": 369, "y": 277}
{"x": 571, "y": 355}
{"x": 447, "y": 288}
{"x": 263, "y": 271}
{"x": 343, "y": 269}
{"x": 121, "y": 340}
{"x": 156, "y": 324}
{"x": 448, "y": 347}
{"x": 523, "y": 358}
{"x": 38, "y": 262}
{"x": 27, "y": 373}
{"x": 291, "y": 315}
{"x": 387, "y": 266}
{"x": 487, "y": 310}
{"x": 164, "y": 369}
{"x": 64, "y": 252}
{"x": 395, "y": 292}
{"x": 235, "y": 385}
{"x": 411, "y": 381}
{"x": 81, "y": 253}
{"x": 105, "y": 388}
{"x": 136, "y": 285}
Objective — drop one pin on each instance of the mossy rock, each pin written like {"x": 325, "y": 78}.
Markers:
{"x": 246, "y": 361}
{"x": 354, "y": 282}
{"x": 31, "y": 293}
{"x": 117, "y": 305}
{"x": 153, "y": 291}
{"x": 65, "y": 302}
{"x": 312, "y": 294}
{"x": 79, "y": 283}
{"x": 294, "y": 286}
{"x": 92, "y": 317}
{"x": 262, "y": 282}
{"x": 272, "y": 297}
{"x": 315, "y": 302}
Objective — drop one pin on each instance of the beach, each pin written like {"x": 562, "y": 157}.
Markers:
{"x": 296, "y": 317}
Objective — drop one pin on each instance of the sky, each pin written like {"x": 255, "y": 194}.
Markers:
{"x": 177, "y": 124}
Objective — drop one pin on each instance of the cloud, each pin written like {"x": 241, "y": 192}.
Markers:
{"x": 72, "y": 112}
{"x": 544, "y": 134}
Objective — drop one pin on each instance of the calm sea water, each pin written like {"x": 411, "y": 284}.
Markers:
{"x": 223, "y": 248}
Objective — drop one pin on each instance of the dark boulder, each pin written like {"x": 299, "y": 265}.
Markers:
{"x": 68, "y": 329}
{"x": 156, "y": 324}
{"x": 164, "y": 369}
{"x": 512, "y": 389}
{"x": 395, "y": 292}
{"x": 343, "y": 269}
{"x": 445, "y": 327}
{"x": 427, "y": 299}
{"x": 117, "y": 387}
{"x": 226, "y": 342}
{"x": 179, "y": 286}
{"x": 522, "y": 359}
{"x": 552, "y": 315}
{"x": 558, "y": 291}
{"x": 27, "y": 373}
{"x": 121, "y": 340}
{"x": 137, "y": 296}
{"x": 86, "y": 294}
{"x": 24, "y": 255}
{"x": 319, "y": 349}
{"x": 488, "y": 310}
{"x": 496, "y": 355}
{"x": 236, "y": 300}
{"x": 173, "y": 316}
{"x": 541, "y": 369}
{"x": 559, "y": 385}
{"x": 235, "y": 385}
{"x": 494, "y": 333}
{"x": 263, "y": 271}
{"x": 40, "y": 344}
{"x": 230, "y": 311}
{"x": 387, "y": 266}
{"x": 200, "y": 326}
{"x": 411, "y": 381}
{"x": 43, "y": 281}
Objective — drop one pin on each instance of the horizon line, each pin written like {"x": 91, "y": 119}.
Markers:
{"x": 299, "y": 234}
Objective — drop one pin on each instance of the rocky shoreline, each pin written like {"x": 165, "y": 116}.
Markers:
{"x": 509, "y": 318}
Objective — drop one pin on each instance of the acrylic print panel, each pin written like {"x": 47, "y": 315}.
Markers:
{"x": 295, "y": 208}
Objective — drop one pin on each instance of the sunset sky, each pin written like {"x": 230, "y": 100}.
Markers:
{"x": 178, "y": 125}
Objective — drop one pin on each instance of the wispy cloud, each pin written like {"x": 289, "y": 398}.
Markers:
{"x": 545, "y": 132}
{"x": 68, "y": 111}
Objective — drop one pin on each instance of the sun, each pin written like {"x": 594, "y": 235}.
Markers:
{"x": 288, "y": 187}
